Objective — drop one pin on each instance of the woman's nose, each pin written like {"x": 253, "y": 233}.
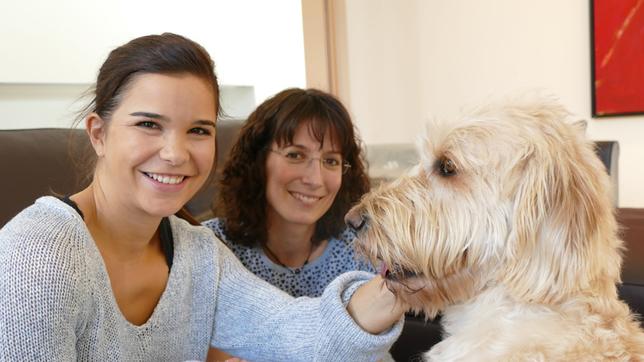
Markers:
{"x": 313, "y": 172}
{"x": 174, "y": 150}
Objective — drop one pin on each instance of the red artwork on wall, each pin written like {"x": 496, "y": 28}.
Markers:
{"x": 618, "y": 57}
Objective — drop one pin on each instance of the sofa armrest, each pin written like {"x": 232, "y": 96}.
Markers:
{"x": 632, "y": 288}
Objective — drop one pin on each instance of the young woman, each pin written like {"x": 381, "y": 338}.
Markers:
{"x": 110, "y": 274}
{"x": 293, "y": 174}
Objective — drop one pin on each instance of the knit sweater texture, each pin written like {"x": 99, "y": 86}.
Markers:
{"x": 57, "y": 304}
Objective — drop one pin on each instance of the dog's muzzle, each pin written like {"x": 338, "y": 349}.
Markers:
{"x": 355, "y": 220}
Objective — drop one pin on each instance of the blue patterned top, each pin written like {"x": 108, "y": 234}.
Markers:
{"x": 309, "y": 280}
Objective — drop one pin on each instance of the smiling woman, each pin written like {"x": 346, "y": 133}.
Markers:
{"x": 110, "y": 273}
{"x": 294, "y": 172}
{"x": 154, "y": 153}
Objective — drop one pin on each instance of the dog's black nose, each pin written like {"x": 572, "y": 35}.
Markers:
{"x": 355, "y": 220}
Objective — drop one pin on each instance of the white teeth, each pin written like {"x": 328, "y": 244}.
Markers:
{"x": 165, "y": 179}
{"x": 304, "y": 198}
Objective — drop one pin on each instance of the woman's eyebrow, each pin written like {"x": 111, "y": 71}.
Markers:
{"x": 304, "y": 148}
{"x": 203, "y": 122}
{"x": 150, "y": 115}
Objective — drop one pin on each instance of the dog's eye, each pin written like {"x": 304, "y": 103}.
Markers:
{"x": 446, "y": 167}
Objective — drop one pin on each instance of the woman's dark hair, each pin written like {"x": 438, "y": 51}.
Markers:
{"x": 161, "y": 54}
{"x": 153, "y": 54}
{"x": 242, "y": 197}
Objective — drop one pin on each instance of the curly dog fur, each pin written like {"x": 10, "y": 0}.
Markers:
{"x": 507, "y": 228}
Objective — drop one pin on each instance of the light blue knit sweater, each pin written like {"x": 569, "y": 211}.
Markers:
{"x": 56, "y": 302}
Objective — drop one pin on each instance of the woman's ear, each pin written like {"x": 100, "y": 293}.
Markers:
{"x": 96, "y": 129}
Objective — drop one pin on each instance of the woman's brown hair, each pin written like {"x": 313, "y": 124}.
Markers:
{"x": 242, "y": 197}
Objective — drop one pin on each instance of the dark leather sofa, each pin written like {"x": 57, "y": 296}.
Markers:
{"x": 38, "y": 162}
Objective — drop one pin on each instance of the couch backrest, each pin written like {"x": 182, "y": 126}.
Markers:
{"x": 37, "y": 162}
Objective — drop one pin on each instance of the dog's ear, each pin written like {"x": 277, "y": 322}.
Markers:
{"x": 563, "y": 235}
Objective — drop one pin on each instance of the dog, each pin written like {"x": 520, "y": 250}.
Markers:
{"x": 506, "y": 227}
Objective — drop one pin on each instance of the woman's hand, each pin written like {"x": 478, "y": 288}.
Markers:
{"x": 216, "y": 355}
{"x": 374, "y": 307}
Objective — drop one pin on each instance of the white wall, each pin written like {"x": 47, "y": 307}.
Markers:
{"x": 407, "y": 61}
{"x": 56, "y": 47}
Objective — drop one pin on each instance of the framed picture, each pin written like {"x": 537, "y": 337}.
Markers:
{"x": 617, "y": 57}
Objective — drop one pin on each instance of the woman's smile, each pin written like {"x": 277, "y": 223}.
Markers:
{"x": 305, "y": 198}
{"x": 164, "y": 178}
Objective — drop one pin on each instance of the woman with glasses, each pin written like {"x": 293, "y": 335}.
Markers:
{"x": 293, "y": 174}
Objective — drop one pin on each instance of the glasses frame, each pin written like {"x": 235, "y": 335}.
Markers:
{"x": 345, "y": 165}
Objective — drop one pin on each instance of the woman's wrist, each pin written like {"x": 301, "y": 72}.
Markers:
{"x": 374, "y": 307}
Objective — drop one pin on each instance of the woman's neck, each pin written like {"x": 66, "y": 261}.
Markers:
{"x": 116, "y": 228}
{"x": 291, "y": 237}
{"x": 291, "y": 245}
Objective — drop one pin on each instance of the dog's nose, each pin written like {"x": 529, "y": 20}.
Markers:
{"x": 355, "y": 220}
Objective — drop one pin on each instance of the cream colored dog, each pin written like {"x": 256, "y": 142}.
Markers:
{"x": 507, "y": 226}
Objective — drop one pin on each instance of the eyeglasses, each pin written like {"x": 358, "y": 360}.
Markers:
{"x": 331, "y": 161}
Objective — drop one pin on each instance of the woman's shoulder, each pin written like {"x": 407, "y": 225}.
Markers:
{"x": 45, "y": 243}
{"x": 217, "y": 225}
{"x": 199, "y": 237}
{"x": 250, "y": 256}
{"x": 47, "y": 221}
